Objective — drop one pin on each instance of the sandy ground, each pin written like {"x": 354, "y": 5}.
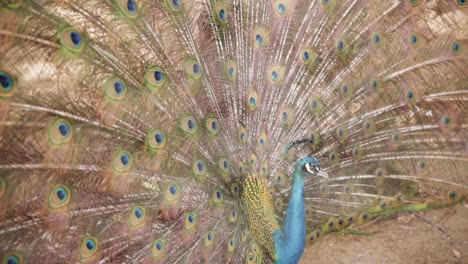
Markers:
{"x": 439, "y": 236}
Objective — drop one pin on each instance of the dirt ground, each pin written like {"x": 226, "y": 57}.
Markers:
{"x": 439, "y": 236}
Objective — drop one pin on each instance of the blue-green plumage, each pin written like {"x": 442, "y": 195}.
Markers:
{"x": 290, "y": 240}
{"x": 167, "y": 131}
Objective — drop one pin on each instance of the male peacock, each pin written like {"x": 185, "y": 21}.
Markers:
{"x": 137, "y": 131}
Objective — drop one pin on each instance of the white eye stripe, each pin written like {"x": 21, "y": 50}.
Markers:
{"x": 308, "y": 168}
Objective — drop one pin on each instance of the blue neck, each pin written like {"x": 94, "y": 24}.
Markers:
{"x": 290, "y": 241}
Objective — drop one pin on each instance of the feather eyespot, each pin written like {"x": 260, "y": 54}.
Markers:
{"x": 190, "y": 222}
{"x": 159, "y": 248}
{"x": 137, "y": 216}
{"x": 122, "y": 161}
{"x": 60, "y": 132}
{"x": 211, "y": 125}
{"x": 341, "y": 46}
{"x": 128, "y": 7}
{"x": 115, "y": 89}
{"x": 155, "y": 140}
{"x": 307, "y": 56}
{"x": 242, "y": 135}
{"x": 89, "y": 247}
{"x": 174, "y": 5}
{"x": 209, "y": 239}
{"x": 377, "y": 39}
{"x": 224, "y": 164}
{"x": 155, "y": 77}
{"x": 193, "y": 69}
{"x": 260, "y": 37}
{"x": 415, "y": 2}
{"x": 282, "y": 7}
{"x": 217, "y": 196}
{"x": 13, "y": 258}
{"x": 172, "y": 192}
{"x": 7, "y": 83}
{"x": 456, "y": 47}
{"x": 199, "y": 168}
{"x": 221, "y": 12}
{"x": 72, "y": 40}
{"x": 189, "y": 125}
{"x": 59, "y": 197}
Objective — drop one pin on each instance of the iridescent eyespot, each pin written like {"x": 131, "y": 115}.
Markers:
{"x": 212, "y": 126}
{"x": 409, "y": 96}
{"x": 242, "y": 135}
{"x": 377, "y": 39}
{"x": 199, "y": 168}
{"x": 240, "y": 167}
{"x": 224, "y": 165}
{"x": 415, "y": 2}
{"x": 7, "y": 84}
{"x": 341, "y": 133}
{"x": 231, "y": 245}
{"x": 453, "y": 196}
{"x": 59, "y": 197}
{"x": 326, "y": 3}
{"x": 155, "y": 77}
{"x": 415, "y": 40}
{"x": 89, "y": 247}
{"x": 346, "y": 90}
{"x": 307, "y": 56}
{"x": 159, "y": 249}
{"x": 396, "y": 138}
{"x": 314, "y": 138}
{"x": 279, "y": 205}
{"x": 190, "y": 222}
{"x": 341, "y": 46}
{"x": 262, "y": 140}
{"x": 217, "y": 196}
{"x": 12, "y": 258}
{"x": 71, "y": 39}
{"x": 250, "y": 258}
{"x": 122, "y": 161}
{"x": 209, "y": 239}
{"x": 115, "y": 89}
{"x": 128, "y": 7}
{"x": 137, "y": 216}
{"x": 155, "y": 140}
{"x": 189, "y": 124}
{"x": 461, "y": 3}
{"x": 235, "y": 188}
{"x": 174, "y": 5}
{"x": 333, "y": 157}
{"x": 357, "y": 152}
{"x": 286, "y": 116}
{"x": 421, "y": 164}
{"x": 193, "y": 68}
{"x": 364, "y": 216}
{"x": 315, "y": 105}
{"x": 276, "y": 73}
{"x": 221, "y": 13}
{"x": 252, "y": 100}
{"x": 282, "y": 7}
{"x": 260, "y": 37}
{"x": 456, "y": 47}
{"x": 230, "y": 69}
{"x": 60, "y": 132}
{"x": 172, "y": 192}
{"x": 233, "y": 216}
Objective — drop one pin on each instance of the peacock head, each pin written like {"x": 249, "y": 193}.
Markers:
{"x": 310, "y": 166}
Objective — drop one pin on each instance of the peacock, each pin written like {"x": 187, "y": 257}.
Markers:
{"x": 224, "y": 131}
